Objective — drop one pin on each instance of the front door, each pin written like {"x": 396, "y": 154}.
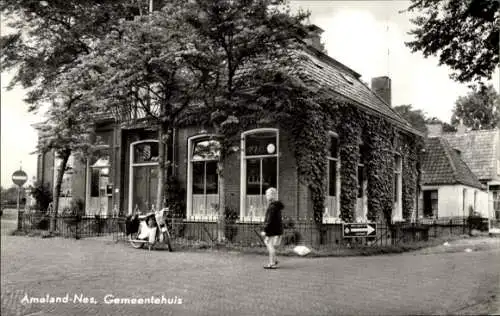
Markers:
{"x": 145, "y": 188}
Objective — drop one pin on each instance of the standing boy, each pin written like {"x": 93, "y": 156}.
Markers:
{"x": 273, "y": 226}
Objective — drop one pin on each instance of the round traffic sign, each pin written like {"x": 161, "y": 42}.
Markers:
{"x": 19, "y": 177}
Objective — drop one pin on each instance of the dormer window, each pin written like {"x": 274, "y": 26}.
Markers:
{"x": 347, "y": 78}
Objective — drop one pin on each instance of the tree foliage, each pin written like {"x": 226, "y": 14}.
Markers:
{"x": 242, "y": 46}
{"x": 415, "y": 117}
{"x": 67, "y": 130}
{"x": 464, "y": 34}
{"x": 50, "y": 35}
{"x": 49, "y": 38}
{"x": 138, "y": 72}
{"x": 479, "y": 109}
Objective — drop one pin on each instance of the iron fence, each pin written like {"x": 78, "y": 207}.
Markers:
{"x": 211, "y": 231}
{"x": 73, "y": 226}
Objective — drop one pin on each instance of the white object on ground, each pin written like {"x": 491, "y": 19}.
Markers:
{"x": 446, "y": 244}
{"x": 301, "y": 250}
{"x": 468, "y": 250}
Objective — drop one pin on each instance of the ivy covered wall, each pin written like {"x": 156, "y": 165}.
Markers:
{"x": 308, "y": 125}
{"x": 354, "y": 126}
{"x": 349, "y": 129}
{"x": 380, "y": 168}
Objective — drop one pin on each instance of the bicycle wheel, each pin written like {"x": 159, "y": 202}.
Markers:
{"x": 135, "y": 243}
{"x": 166, "y": 238}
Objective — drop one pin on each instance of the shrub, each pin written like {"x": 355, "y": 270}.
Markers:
{"x": 477, "y": 222}
{"x": 175, "y": 197}
{"x": 77, "y": 206}
{"x": 230, "y": 227}
{"x": 43, "y": 224}
{"x": 42, "y": 194}
{"x": 290, "y": 235}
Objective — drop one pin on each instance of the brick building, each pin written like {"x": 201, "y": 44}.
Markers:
{"x": 122, "y": 176}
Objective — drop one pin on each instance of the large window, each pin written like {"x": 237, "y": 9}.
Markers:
{"x": 99, "y": 170}
{"x": 98, "y": 178}
{"x": 398, "y": 191}
{"x": 362, "y": 201}
{"x": 203, "y": 178}
{"x": 143, "y": 185}
{"x": 259, "y": 169}
{"x": 332, "y": 199}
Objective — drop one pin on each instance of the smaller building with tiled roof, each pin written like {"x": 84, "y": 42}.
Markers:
{"x": 442, "y": 164}
{"x": 480, "y": 150}
{"x": 449, "y": 187}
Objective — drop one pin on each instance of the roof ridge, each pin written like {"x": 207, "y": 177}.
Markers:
{"x": 476, "y": 131}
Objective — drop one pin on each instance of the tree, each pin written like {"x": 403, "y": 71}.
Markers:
{"x": 479, "y": 109}
{"x": 464, "y": 34}
{"x": 50, "y": 35}
{"x": 242, "y": 45}
{"x": 49, "y": 38}
{"x": 138, "y": 73}
{"x": 415, "y": 117}
{"x": 66, "y": 131}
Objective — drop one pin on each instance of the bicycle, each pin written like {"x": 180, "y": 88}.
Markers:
{"x": 149, "y": 230}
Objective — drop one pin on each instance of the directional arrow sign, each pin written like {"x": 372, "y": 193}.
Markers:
{"x": 351, "y": 230}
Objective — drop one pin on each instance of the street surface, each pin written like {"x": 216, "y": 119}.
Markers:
{"x": 430, "y": 281}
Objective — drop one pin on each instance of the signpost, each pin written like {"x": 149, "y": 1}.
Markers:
{"x": 351, "y": 230}
{"x": 19, "y": 178}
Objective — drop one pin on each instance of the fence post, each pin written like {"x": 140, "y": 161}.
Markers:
{"x": 19, "y": 219}
{"x": 76, "y": 228}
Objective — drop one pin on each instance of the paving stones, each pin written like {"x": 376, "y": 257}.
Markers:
{"x": 222, "y": 283}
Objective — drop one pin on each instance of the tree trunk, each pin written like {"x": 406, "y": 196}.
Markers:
{"x": 221, "y": 220}
{"x": 162, "y": 159}
{"x": 57, "y": 188}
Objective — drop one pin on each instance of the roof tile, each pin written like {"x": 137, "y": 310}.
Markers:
{"x": 478, "y": 150}
{"x": 324, "y": 71}
{"x": 441, "y": 164}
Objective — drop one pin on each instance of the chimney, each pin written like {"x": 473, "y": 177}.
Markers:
{"x": 461, "y": 128}
{"x": 435, "y": 129}
{"x": 313, "y": 37}
{"x": 382, "y": 87}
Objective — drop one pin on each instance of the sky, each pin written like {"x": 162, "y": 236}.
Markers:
{"x": 367, "y": 36}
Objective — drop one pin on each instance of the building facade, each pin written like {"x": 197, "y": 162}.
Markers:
{"x": 122, "y": 176}
{"x": 449, "y": 188}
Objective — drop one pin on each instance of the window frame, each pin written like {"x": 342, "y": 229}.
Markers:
{"x": 243, "y": 169}
{"x": 88, "y": 177}
{"x": 363, "y": 187}
{"x": 430, "y": 191}
{"x": 189, "y": 189}
{"x": 338, "y": 183}
{"x": 397, "y": 208}
{"x": 465, "y": 211}
{"x": 133, "y": 164}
